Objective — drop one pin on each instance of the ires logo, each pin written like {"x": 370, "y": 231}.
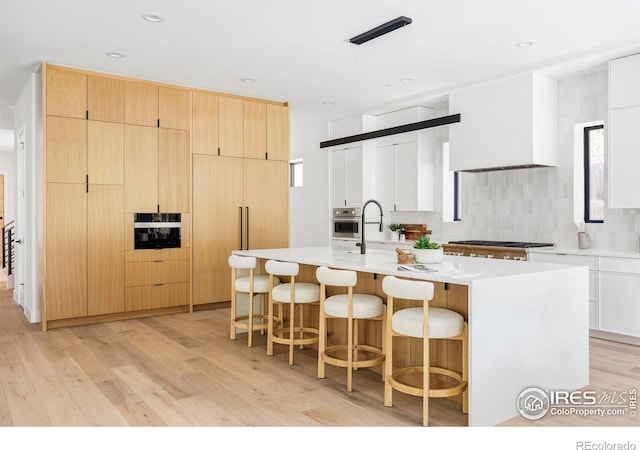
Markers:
{"x": 534, "y": 403}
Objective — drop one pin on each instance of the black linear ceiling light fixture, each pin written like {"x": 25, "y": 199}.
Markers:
{"x": 380, "y": 30}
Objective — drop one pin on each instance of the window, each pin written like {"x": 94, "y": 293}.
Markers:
{"x": 594, "y": 174}
{"x": 295, "y": 170}
{"x": 451, "y": 190}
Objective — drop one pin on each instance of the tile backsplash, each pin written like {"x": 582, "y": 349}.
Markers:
{"x": 536, "y": 204}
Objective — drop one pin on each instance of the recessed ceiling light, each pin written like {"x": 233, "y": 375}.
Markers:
{"x": 328, "y": 103}
{"x": 154, "y": 18}
{"x": 115, "y": 55}
{"x": 247, "y": 80}
{"x": 406, "y": 80}
{"x": 523, "y": 44}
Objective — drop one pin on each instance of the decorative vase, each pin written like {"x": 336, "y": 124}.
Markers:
{"x": 428, "y": 255}
{"x": 394, "y": 235}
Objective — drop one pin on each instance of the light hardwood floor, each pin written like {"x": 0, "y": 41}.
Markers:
{"x": 183, "y": 370}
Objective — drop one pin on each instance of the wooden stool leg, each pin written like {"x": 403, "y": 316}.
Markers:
{"x": 270, "y": 327}
{"x": 232, "y": 332}
{"x": 383, "y": 339}
{"x": 425, "y": 370}
{"x": 250, "y": 322}
{"x": 349, "y": 354}
{"x": 465, "y": 368}
{"x": 322, "y": 341}
{"x": 388, "y": 359}
{"x": 262, "y": 314}
{"x": 292, "y": 325}
{"x": 355, "y": 340}
{"x": 301, "y": 308}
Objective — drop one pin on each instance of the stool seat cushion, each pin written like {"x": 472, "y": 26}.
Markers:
{"x": 443, "y": 323}
{"x": 305, "y": 293}
{"x": 260, "y": 284}
{"x": 365, "y": 306}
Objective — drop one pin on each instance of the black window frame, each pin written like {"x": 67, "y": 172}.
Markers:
{"x": 587, "y": 173}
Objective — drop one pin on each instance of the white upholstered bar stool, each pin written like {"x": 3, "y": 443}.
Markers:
{"x": 296, "y": 294}
{"x": 255, "y": 287}
{"x": 425, "y": 323}
{"x": 353, "y": 307}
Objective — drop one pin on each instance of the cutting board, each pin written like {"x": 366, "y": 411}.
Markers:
{"x": 415, "y": 230}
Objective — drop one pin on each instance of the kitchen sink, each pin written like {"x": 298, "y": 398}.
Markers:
{"x": 372, "y": 251}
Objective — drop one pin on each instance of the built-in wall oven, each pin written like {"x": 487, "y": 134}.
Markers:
{"x": 156, "y": 230}
{"x": 346, "y": 222}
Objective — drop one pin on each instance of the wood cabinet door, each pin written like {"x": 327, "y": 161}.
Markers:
{"x": 140, "y": 169}
{"x": 266, "y": 194}
{"x": 174, "y": 108}
{"x": 230, "y": 126}
{"x": 140, "y": 104}
{"x": 278, "y": 132}
{"x": 217, "y": 209}
{"x": 255, "y": 129}
{"x": 105, "y": 244}
{"x": 66, "y": 160}
{"x": 205, "y": 123}
{"x": 66, "y": 251}
{"x": 105, "y": 152}
{"x": 174, "y": 179}
{"x": 66, "y": 93}
{"x": 105, "y": 99}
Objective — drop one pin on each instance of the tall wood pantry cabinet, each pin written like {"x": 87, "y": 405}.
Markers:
{"x": 240, "y": 196}
{"x": 116, "y": 146}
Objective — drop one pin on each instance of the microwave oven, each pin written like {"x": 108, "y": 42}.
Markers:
{"x": 156, "y": 230}
{"x": 346, "y": 223}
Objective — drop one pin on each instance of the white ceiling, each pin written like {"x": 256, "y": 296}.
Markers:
{"x": 299, "y": 50}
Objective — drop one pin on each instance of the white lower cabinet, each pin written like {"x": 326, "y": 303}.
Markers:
{"x": 620, "y": 295}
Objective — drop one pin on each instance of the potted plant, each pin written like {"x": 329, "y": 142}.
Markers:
{"x": 395, "y": 230}
{"x": 426, "y": 251}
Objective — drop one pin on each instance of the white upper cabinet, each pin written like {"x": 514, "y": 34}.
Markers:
{"x": 624, "y": 82}
{"x": 624, "y": 132}
{"x": 504, "y": 124}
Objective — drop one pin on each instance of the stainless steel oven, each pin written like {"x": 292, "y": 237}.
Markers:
{"x": 156, "y": 230}
{"x": 346, "y": 222}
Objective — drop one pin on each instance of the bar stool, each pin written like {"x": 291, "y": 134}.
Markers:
{"x": 425, "y": 323}
{"x": 255, "y": 286}
{"x": 295, "y": 294}
{"x": 353, "y": 308}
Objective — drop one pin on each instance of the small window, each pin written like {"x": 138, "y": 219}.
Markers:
{"x": 594, "y": 174}
{"x": 451, "y": 190}
{"x": 295, "y": 167}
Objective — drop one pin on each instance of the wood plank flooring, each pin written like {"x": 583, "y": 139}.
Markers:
{"x": 183, "y": 370}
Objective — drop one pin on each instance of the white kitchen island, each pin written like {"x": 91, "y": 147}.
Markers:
{"x": 528, "y": 322}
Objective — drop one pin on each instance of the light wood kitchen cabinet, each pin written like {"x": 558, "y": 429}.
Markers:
{"x": 156, "y": 278}
{"x": 217, "y": 224}
{"x": 66, "y": 93}
{"x": 141, "y": 168}
{"x": 140, "y": 103}
{"x": 174, "y": 108}
{"x": 205, "y": 124}
{"x": 66, "y": 256}
{"x": 105, "y": 152}
{"x": 105, "y": 249}
{"x": 278, "y": 132}
{"x": 255, "y": 129}
{"x": 66, "y": 141}
{"x": 85, "y": 250}
{"x": 230, "y": 126}
{"x": 250, "y": 210}
{"x": 105, "y": 99}
{"x": 157, "y": 173}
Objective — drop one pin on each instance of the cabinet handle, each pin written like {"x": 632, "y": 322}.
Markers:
{"x": 159, "y": 284}
{"x": 87, "y": 115}
{"x": 158, "y": 123}
{"x": 240, "y": 209}
{"x": 218, "y": 151}
{"x": 247, "y": 228}
{"x": 266, "y": 155}
{"x": 158, "y": 260}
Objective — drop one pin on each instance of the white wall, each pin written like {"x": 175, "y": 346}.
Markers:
{"x": 8, "y": 168}
{"x": 309, "y": 207}
{"x": 28, "y": 117}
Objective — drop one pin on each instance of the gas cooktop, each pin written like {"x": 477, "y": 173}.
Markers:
{"x": 510, "y": 244}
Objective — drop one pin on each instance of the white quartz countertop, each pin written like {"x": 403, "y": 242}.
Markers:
{"x": 454, "y": 269}
{"x": 587, "y": 252}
